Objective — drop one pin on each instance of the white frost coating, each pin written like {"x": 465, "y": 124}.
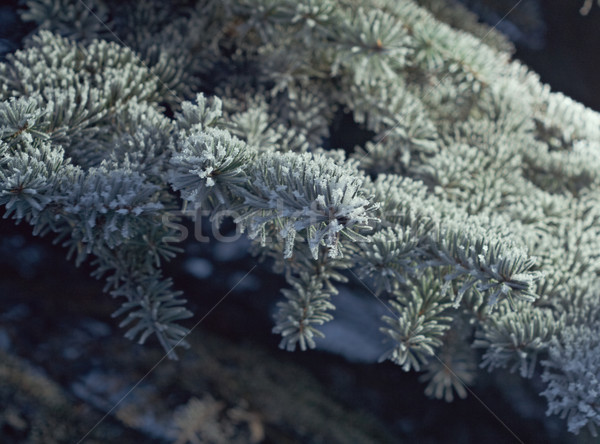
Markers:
{"x": 320, "y": 197}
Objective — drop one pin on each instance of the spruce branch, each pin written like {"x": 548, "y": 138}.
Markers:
{"x": 471, "y": 201}
{"x": 516, "y": 337}
{"x": 207, "y": 166}
{"x": 308, "y": 194}
{"x": 307, "y": 305}
{"x": 420, "y": 320}
{"x": 454, "y": 366}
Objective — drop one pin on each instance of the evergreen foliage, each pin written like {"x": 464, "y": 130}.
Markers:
{"x": 472, "y": 211}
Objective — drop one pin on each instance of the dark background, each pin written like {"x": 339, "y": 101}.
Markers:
{"x": 554, "y": 40}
